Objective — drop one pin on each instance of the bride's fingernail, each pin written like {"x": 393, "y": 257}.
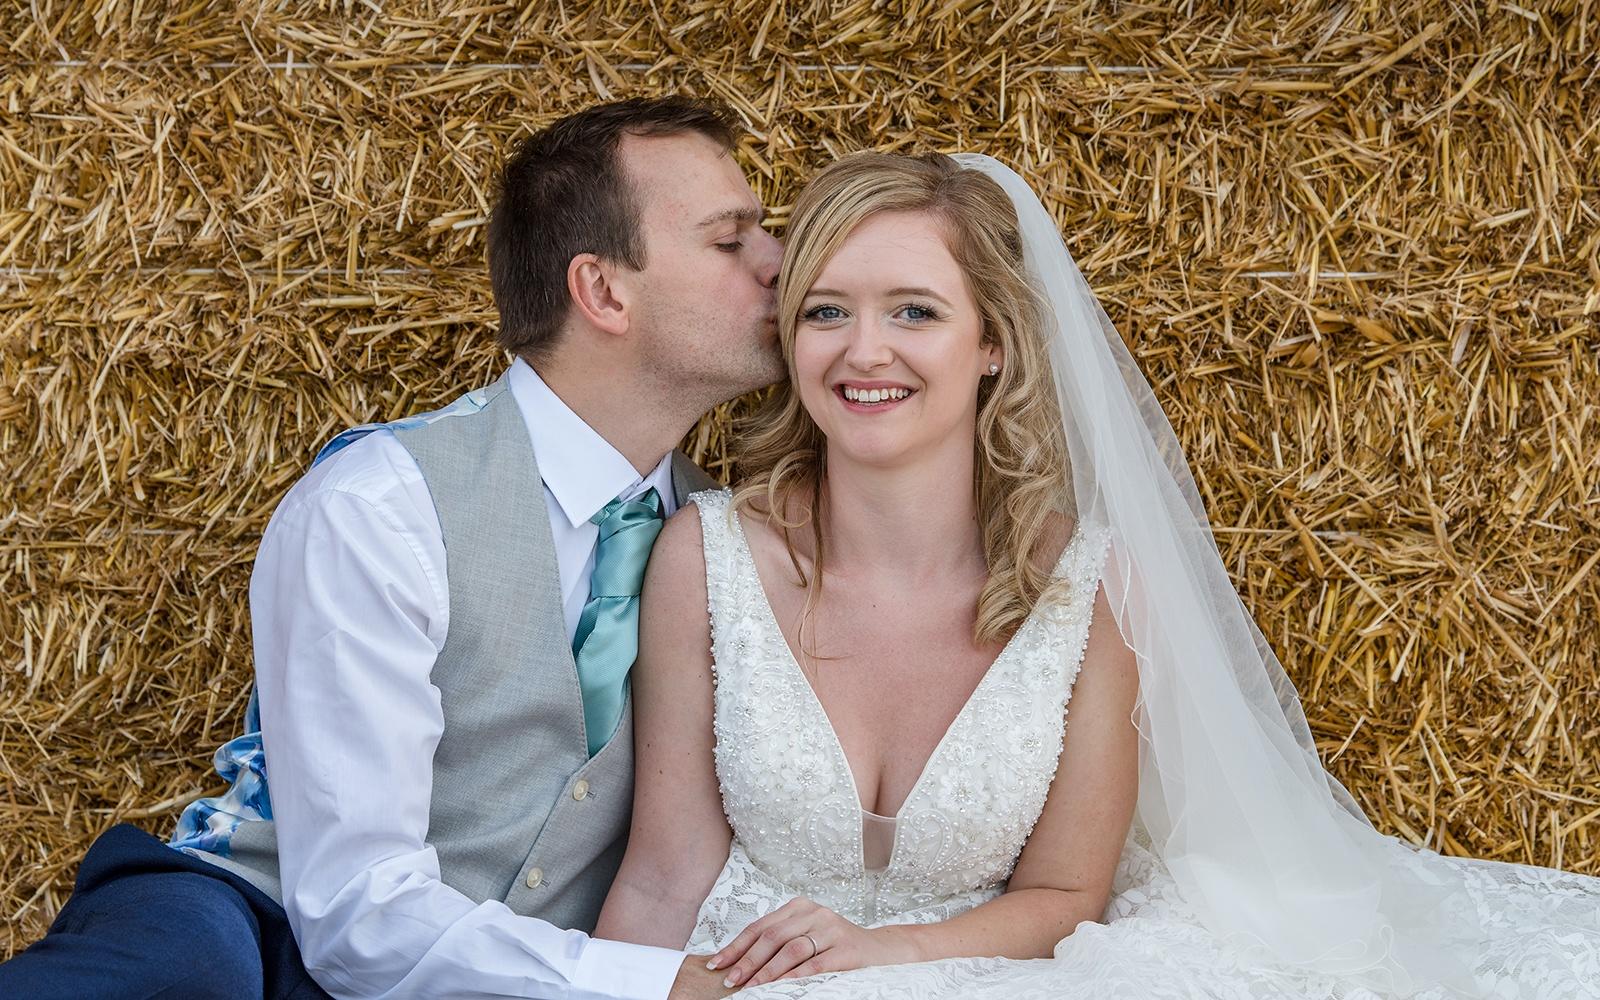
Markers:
{"x": 712, "y": 964}
{"x": 731, "y": 981}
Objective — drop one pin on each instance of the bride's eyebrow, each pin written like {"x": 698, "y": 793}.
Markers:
{"x": 918, "y": 290}
{"x": 924, "y": 292}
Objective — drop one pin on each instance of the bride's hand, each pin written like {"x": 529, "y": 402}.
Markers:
{"x": 802, "y": 938}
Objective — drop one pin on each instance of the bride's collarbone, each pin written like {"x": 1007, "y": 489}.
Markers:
{"x": 891, "y": 626}
{"x": 864, "y": 605}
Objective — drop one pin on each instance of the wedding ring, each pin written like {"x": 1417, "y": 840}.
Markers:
{"x": 814, "y": 948}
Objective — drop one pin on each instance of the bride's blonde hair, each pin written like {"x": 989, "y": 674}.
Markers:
{"x": 1020, "y": 473}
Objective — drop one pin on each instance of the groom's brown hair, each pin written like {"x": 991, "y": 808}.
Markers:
{"x": 564, "y": 192}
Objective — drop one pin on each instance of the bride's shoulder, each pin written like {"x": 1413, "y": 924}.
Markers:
{"x": 1062, "y": 531}
{"x": 1054, "y": 536}
{"x": 715, "y": 498}
{"x": 697, "y": 508}
{"x": 677, "y": 553}
{"x": 673, "y": 630}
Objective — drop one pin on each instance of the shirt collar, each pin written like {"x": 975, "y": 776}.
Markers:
{"x": 579, "y": 467}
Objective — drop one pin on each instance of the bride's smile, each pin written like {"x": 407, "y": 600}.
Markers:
{"x": 873, "y": 397}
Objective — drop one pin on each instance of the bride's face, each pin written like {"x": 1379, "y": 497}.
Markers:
{"x": 891, "y": 315}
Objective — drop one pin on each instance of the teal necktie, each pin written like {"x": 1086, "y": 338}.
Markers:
{"x": 607, "y": 640}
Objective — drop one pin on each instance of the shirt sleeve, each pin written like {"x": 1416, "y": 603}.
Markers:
{"x": 341, "y": 606}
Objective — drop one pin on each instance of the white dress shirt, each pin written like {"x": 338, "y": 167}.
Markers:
{"x": 349, "y": 607}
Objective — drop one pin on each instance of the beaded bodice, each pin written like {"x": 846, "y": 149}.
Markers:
{"x": 787, "y": 787}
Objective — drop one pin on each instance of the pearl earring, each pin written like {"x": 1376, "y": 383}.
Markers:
{"x": 994, "y": 369}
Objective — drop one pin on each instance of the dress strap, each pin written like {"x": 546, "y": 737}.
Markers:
{"x": 719, "y": 540}
{"x": 1084, "y": 557}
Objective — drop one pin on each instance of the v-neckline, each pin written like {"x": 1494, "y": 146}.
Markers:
{"x": 843, "y": 758}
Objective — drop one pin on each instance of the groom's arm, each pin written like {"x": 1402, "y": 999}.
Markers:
{"x": 349, "y": 609}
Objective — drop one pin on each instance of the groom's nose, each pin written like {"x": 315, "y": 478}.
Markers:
{"x": 771, "y": 260}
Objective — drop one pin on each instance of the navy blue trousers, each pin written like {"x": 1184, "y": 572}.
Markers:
{"x": 147, "y": 922}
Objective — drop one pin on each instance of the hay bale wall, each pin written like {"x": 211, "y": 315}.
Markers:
{"x": 1354, "y": 247}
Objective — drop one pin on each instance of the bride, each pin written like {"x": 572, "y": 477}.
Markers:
{"x": 976, "y": 697}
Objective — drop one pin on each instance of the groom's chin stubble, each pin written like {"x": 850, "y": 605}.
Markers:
{"x": 765, "y": 368}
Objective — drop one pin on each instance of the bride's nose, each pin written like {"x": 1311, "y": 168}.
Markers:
{"x": 868, "y": 347}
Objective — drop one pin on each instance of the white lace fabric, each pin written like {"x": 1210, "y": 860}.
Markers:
{"x": 1543, "y": 944}
{"x": 792, "y": 800}
{"x": 798, "y": 824}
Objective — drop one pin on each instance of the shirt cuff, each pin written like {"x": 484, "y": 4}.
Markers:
{"x": 626, "y": 971}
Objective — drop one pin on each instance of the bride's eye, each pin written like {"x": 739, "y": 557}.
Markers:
{"x": 918, "y": 313}
{"x": 823, "y": 314}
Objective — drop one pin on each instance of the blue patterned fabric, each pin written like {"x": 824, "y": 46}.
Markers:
{"x": 207, "y": 824}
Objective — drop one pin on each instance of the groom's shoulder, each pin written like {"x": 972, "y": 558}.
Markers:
{"x": 375, "y": 468}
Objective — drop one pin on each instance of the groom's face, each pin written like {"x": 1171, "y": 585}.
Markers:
{"x": 705, "y": 303}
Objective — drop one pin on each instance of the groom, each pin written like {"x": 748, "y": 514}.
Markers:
{"x": 444, "y": 613}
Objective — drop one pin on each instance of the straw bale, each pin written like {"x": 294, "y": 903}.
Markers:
{"x": 1355, "y": 247}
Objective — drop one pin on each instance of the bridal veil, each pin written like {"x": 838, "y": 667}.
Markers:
{"x": 1269, "y": 848}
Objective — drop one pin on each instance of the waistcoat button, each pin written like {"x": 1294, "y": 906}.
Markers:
{"x": 535, "y": 877}
{"x": 580, "y": 791}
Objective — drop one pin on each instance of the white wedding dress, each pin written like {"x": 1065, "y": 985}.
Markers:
{"x": 800, "y": 829}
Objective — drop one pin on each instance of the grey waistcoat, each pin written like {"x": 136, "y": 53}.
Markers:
{"x": 520, "y": 813}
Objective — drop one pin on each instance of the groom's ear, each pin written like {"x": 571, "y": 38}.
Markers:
{"x": 597, "y": 296}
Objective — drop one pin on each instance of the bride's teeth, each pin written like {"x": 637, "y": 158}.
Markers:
{"x": 870, "y": 396}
